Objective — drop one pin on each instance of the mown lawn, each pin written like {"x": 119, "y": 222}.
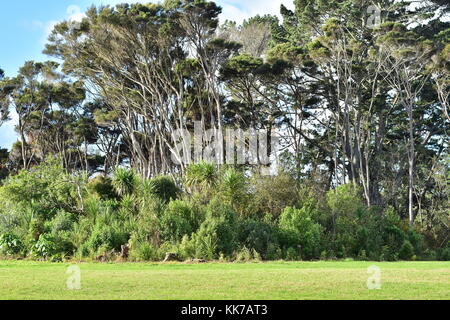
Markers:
{"x": 277, "y": 280}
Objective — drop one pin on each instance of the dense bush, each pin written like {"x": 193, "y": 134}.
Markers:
{"x": 162, "y": 187}
{"x": 178, "y": 220}
{"x": 102, "y": 187}
{"x": 49, "y": 214}
{"x": 217, "y": 234}
{"x": 10, "y": 244}
{"x": 273, "y": 194}
{"x": 299, "y": 230}
{"x": 257, "y": 235}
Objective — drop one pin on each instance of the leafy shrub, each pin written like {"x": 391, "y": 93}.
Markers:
{"x": 143, "y": 251}
{"x": 201, "y": 176}
{"x": 273, "y": 194}
{"x": 44, "y": 190}
{"x": 162, "y": 187}
{"x": 244, "y": 255}
{"x": 406, "y": 251}
{"x": 345, "y": 200}
{"x": 200, "y": 181}
{"x": 108, "y": 237}
{"x": 218, "y": 232}
{"x": 37, "y": 228}
{"x": 63, "y": 221}
{"x": 206, "y": 242}
{"x": 444, "y": 254}
{"x": 187, "y": 249}
{"x": 299, "y": 229}
{"x": 10, "y": 244}
{"x": 388, "y": 254}
{"x": 124, "y": 181}
{"x": 232, "y": 190}
{"x": 102, "y": 187}
{"x": 45, "y": 247}
{"x": 274, "y": 252}
{"x": 291, "y": 254}
{"x": 256, "y": 234}
{"x": 179, "y": 219}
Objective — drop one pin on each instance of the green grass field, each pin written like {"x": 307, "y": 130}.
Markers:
{"x": 278, "y": 280}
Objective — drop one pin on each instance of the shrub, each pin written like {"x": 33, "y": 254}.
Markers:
{"x": 444, "y": 254}
{"x": 406, "y": 251}
{"x": 42, "y": 191}
{"x": 274, "y": 252}
{"x": 102, "y": 187}
{"x": 200, "y": 181}
{"x": 179, "y": 219}
{"x": 63, "y": 221}
{"x": 206, "y": 242}
{"x": 291, "y": 254}
{"x": 10, "y": 244}
{"x": 45, "y": 247}
{"x": 187, "y": 248}
{"x": 417, "y": 241}
{"x": 163, "y": 187}
{"x": 124, "y": 181}
{"x": 221, "y": 221}
{"x": 273, "y": 194}
{"x": 256, "y": 255}
{"x": 232, "y": 190}
{"x": 37, "y": 228}
{"x": 388, "y": 254}
{"x": 201, "y": 176}
{"x": 244, "y": 255}
{"x": 108, "y": 237}
{"x": 143, "y": 251}
{"x": 345, "y": 200}
{"x": 256, "y": 234}
{"x": 300, "y": 230}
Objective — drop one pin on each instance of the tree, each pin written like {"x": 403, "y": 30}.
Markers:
{"x": 407, "y": 56}
{"x": 155, "y": 66}
{"x": 4, "y": 101}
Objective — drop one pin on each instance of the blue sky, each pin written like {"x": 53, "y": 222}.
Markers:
{"x": 25, "y": 25}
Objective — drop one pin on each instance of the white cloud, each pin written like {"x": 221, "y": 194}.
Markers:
{"x": 238, "y": 10}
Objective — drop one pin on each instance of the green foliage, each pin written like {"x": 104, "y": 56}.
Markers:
{"x": 102, "y": 187}
{"x": 45, "y": 247}
{"x": 178, "y": 220}
{"x": 162, "y": 187}
{"x": 142, "y": 251}
{"x": 406, "y": 251}
{"x": 217, "y": 234}
{"x": 10, "y": 244}
{"x": 273, "y": 194}
{"x": 63, "y": 221}
{"x": 201, "y": 177}
{"x": 291, "y": 254}
{"x": 107, "y": 237}
{"x": 257, "y": 235}
{"x": 244, "y": 255}
{"x": 299, "y": 230}
{"x": 124, "y": 181}
{"x": 274, "y": 252}
{"x": 232, "y": 190}
{"x": 46, "y": 189}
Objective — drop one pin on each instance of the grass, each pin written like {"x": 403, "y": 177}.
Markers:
{"x": 252, "y": 281}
